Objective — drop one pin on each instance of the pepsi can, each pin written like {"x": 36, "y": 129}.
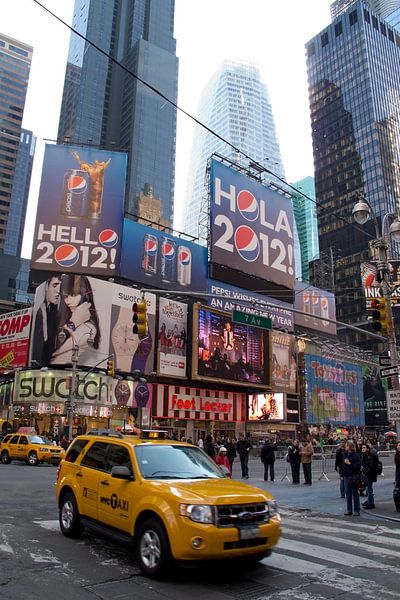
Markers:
{"x": 184, "y": 270}
{"x": 74, "y": 203}
{"x": 149, "y": 255}
{"x": 168, "y": 260}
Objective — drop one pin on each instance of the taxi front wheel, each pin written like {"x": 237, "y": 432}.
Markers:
{"x": 32, "y": 459}
{"x": 69, "y": 516}
{"x": 153, "y": 550}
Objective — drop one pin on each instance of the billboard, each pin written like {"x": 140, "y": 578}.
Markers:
{"x": 372, "y": 287}
{"x": 266, "y": 407}
{"x": 334, "y": 392}
{"x": 158, "y": 259}
{"x": 315, "y": 306}
{"x": 229, "y": 352}
{"x": 375, "y": 399}
{"x": 251, "y": 227}
{"x": 283, "y": 363}
{"x": 228, "y": 298}
{"x": 87, "y": 318}
{"x": 80, "y": 211}
{"x": 172, "y": 338}
{"x": 14, "y": 338}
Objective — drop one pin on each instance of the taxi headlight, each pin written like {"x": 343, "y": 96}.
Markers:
{"x": 200, "y": 513}
{"x": 273, "y": 508}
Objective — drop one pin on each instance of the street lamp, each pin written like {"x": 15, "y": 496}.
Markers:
{"x": 362, "y": 212}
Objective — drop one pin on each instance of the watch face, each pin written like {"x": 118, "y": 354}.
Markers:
{"x": 124, "y": 341}
{"x": 122, "y": 393}
{"x": 142, "y": 394}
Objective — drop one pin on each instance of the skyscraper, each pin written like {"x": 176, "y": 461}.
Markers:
{"x": 15, "y": 63}
{"x": 386, "y": 9}
{"x": 305, "y": 213}
{"x": 354, "y": 93}
{"x": 235, "y": 104}
{"x": 105, "y": 106}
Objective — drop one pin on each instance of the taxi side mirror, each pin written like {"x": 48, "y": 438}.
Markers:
{"x": 120, "y": 472}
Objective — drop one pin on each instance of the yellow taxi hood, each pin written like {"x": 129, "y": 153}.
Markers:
{"x": 213, "y": 491}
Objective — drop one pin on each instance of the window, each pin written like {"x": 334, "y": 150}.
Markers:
{"x": 75, "y": 450}
{"x": 95, "y": 457}
{"x": 118, "y": 456}
{"x": 14, "y": 439}
{"x": 353, "y": 18}
{"x": 375, "y": 22}
{"x": 23, "y": 440}
{"x": 18, "y": 50}
{"x": 383, "y": 29}
{"x": 324, "y": 39}
{"x": 338, "y": 29}
{"x": 391, "y": 36}
{"x": 367, "y": 18}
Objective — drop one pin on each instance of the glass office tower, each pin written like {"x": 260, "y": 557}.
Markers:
{"x": 354, "y": 94}
{"x": 305, "y": 214}
{"x": 106, "y": 106}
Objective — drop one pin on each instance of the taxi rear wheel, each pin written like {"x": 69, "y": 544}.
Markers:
{"x": 5, "y": 457}
{"x": 69, "y": 516}
{"x": 32, "y": 459}
{"x": 153, "y": 550}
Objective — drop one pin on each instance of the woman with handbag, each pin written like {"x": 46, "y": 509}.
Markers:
{"x": 351, "y": 470}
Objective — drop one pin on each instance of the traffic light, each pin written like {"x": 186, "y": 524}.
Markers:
{"x": 380, "y": 322}
{"x": 110, "y": 367}
{"x": 139, "y": 317}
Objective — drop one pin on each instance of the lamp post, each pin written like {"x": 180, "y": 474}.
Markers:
{"x": 362, "y": 212}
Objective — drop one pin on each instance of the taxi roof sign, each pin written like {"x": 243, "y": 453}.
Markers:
{"x": 153, "y": 434}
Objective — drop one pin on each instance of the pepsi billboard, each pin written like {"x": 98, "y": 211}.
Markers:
{"x": 161, "y": 260}
{"x": 251, "y": 229}
{"x": 315, "y": 306}
{"x": 80, "y": 211}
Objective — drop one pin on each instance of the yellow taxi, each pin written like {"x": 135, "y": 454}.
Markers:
{"x": 167, "y": 498}
{"x": 32, "y": 449}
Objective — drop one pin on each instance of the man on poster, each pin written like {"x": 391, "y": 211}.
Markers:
{"x": 45, "y": 330}
{"x": 228, "y": 342}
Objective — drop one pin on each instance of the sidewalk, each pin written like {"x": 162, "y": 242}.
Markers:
{"x": 323, "y": 495}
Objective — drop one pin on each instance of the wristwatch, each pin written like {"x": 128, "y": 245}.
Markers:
{"x": 124, "y": 342}
{"x": 71, "y": 325}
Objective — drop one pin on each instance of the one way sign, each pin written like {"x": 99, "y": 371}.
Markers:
{"x": 389, "y": 371}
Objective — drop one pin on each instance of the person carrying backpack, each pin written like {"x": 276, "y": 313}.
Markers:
{"x": 370, "y": 468}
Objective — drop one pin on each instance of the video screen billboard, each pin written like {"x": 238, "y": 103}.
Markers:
{"x": 161, "y": 260}
{"x": 95, "y": 317}
{"x": 251, "y": 227}
{"x": 266, "y": 407}
{"x": 227, "y": 351}
{"x": 371, "y": 286}
{"x": 80, "y": 210}
{"x": 14, "y": 338}
{"x": 283, "y": 364}
{"x": 172, "y": 338}
{"x": 315, "y": 306}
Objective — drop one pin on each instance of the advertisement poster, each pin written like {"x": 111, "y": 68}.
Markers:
{"x": 375, "y": 401}
{"x": 315, "y": 306}
{"x": 86, "y": 320}
{"x": 227, "y": 351}
{"x": 161, "y": 260}
{"x": 172, "y": 338}
{"x": 14, "y": 339}
{"x": 371, "y": 285}
{"x": 137, "y": 394}
{"x": 251, "y": 227}
{"x": 80, "y": 211}
{"x": 266, "y": 407}
{"x": 228, "y": 298}
{"x": 283, "y": 365}
{"x": 334, "y": 392}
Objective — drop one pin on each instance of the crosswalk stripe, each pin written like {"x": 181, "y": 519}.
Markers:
{"x": 338, "y": 521}
{"x": 278, "y": 560}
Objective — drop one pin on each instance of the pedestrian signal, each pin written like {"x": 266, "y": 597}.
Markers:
{"x": 380, "y": 322}
{"x": 139, "y": 317}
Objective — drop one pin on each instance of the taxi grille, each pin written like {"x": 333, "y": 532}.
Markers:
{"x": 233, "y": 515}
{"x": 55, "y": 451}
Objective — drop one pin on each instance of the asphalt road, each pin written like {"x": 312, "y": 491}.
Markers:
{"x": 322, "y": 554}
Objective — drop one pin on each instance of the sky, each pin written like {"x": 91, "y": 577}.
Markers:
{"x": 269, "y": 33}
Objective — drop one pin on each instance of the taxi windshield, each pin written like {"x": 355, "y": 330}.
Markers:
{"x": 175, "y": 462}
{"x": 38, "y": 439}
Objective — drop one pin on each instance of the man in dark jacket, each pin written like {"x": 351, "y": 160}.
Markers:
{"x": 268, "y": 458}
{"x": 243, "y": 447}
{"x": 231, "y": 451}
{"x": 351, "y": 467}
{"x": 370, "y": 469}
{"x": 294, "y": 459}
{"x": 339, "y": 458}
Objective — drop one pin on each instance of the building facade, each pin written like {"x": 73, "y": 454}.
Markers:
{"x": 305, "y": 213}
{"x": 354, "y": 93}
{"x": 235, "y": 104}
{"x": 108, "y": 107}
{"x": 15, "y": 155}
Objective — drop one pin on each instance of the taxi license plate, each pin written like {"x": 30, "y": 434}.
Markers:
{"x": 249, "y": 533}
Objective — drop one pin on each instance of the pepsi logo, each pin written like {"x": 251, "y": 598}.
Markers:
{"x": 247, "y": 205}
{"x": 150, "y": 246}
{"x": 184, "y": 257}
{"x": 246, "y": 243}
{"x": 66, "y": 255}
{"x": 168, "y": 250}
{"x": 77, "y": 183}
{"x": 108, "y": 238}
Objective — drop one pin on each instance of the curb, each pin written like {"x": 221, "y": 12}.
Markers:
{"x": 383, "y": 517}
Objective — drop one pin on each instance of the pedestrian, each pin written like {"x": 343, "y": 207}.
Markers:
{"x": 370, "y": 469}
{"x": 209, "y": 447}
{"x": 268, "y": 458}
{"x": 351, "y": 467}
{"x": 243, "y": 448}
{"x": 64, "y": 442}
{"x": 231, "y": 451}
{"x": 295, "y": 461}
{"x": 306, "y": 453}
{"x": 339, "y": 459}
{"x": 190, "y": 440}
{"x": 397, "y": 464}
{"x": 222, "y": 461}
{"x": 200, "y": 442}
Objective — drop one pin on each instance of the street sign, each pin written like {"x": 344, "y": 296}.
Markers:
{"x": 393, "y": 404}
{"x": 384, "y": 361}
{"x": 254, "y": 320}
{"x": 389, "y": 371}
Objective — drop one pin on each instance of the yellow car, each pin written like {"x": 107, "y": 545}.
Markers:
{"x": 167, "y": 498}
{"x": 32, "y": 449}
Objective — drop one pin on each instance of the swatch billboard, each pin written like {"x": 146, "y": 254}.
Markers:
{"x": 251, "y": 227}
{"x": 334, "y": 391}
{"x": 316, "y": 306}
{"x": 161, "y": 260}
{"x": 80, "y": 211}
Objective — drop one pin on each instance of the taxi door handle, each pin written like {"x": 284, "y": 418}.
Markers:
{"x": 79, "y": 475}
{"x": 104, "y": 482}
